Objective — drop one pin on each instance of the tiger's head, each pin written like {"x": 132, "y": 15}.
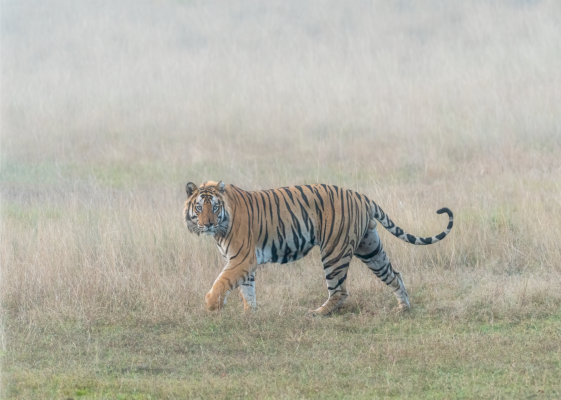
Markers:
{"x": 205, "y": 209}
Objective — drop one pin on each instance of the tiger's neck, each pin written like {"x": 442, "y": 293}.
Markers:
{"x": 225, "y": 225}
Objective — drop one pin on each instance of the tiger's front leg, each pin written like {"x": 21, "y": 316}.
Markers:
{"x": 230, "y": 278}
{"x": 247, "y": 289}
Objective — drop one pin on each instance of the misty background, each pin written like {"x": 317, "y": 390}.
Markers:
{"x": 325, "y": 86}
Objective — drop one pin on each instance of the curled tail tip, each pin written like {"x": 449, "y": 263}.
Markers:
{"x": 445, "y": 210}
{"x": 451, "y": 221}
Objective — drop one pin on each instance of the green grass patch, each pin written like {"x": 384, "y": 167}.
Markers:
{"x": 125, "y": 175}
{"x": 29, "y": 215}
{"x": 290, "y": 356}
{"x": 41, "y": 173}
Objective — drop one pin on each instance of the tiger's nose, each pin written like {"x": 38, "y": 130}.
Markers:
{"x": 208, "y": 225}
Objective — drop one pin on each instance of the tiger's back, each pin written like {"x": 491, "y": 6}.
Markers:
{"x": 285, "y": 224}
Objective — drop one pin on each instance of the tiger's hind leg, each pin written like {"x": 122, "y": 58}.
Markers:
{"x": 371, "y": 252}
{"x": 335, "y": 268}
{"x": 247, "y": 289}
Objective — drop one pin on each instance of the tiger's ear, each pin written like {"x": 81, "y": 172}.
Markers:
{"x": 221, "y": 186}
{"x": 190, "y": 189}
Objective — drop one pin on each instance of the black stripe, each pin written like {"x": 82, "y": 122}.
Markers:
{"x": 299, "y": 188}
{"x": 274, "y": 256}
{"x": 289, "y": 194}
{"x": 411, "y": 238}
{"x": 295, "y": 238}
{"x": 266, "y": 236}
{"x": 305, "y": 215}
{"x": 373, "y": 254}
{"x": 280, "y": 237}
{"x": 280, "y": 221}
{"x": 338, "y": 283}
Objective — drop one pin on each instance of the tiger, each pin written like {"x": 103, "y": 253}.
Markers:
{"x": 252, "y": 228}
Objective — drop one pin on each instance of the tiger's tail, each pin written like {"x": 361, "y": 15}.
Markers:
{"x": 395, "y": 230}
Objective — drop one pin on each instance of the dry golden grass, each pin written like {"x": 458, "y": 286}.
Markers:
{"x": 108, "y": 111}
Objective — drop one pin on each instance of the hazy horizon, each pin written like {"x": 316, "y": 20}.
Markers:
{"x": 285, "y": 77}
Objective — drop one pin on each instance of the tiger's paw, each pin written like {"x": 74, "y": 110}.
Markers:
{"x": 332, "y": 304}
{"x": 402, "y": 308}
{"x": 320, "y": 312}
{"x": 249, "y": 305}
{"x": 214, "y": 302}
{"x": 249, "y": 308}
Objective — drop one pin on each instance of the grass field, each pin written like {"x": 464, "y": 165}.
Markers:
{"x": 109, "y": 110}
